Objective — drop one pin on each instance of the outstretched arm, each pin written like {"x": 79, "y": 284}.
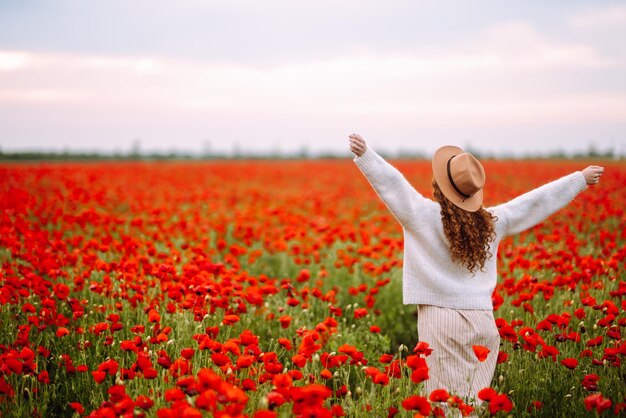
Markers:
{"x": 531, "y": 208}
{"x": 393, "y": 189}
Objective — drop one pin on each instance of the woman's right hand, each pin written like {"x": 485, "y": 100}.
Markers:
{"x": 592, "y": 174}
{"x": 357, "y": 144}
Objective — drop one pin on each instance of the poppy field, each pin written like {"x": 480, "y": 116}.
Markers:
{"x": 261, "y": 289}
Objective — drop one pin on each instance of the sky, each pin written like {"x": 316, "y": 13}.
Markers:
{"x": 245, "y": 76}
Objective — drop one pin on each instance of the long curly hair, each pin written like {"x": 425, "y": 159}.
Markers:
{"x": 469, "y": 233}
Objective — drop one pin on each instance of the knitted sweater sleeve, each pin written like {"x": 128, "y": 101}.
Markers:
{"x": 402, "y": 200}
{"x": 529, "y": 209}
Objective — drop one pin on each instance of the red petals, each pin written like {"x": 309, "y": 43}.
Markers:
{"x": 360, "y": 313}
{"x": 594, "y": 342}
{"x": 481, "y": 352}
{"x": 487, "y": 394}
{"x": 597, "y": 402}
{"x": 570, "y": 363}
{"x": 374, "y": 329}
{"x": 76, "y": 406}
{"x": 422, "y": 348}
{"x": 230, "y": 319}
{"x": 62, "y": 332}
{"x": 497, "y": 402}
{"x": 285, "y": 343}
{"x": 590, "y": 382}
{"x": 144, "y": 402}
{"x": 285, "y": 321}
{"x": 417, "y": 403}
{"x": 98, "y": 376}
{"x": 198, "y": 284}
{"x": 439, "y": 395}
{"x": 187, "y": 353}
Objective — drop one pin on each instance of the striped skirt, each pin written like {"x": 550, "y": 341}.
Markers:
{"x": 451, "y": 333}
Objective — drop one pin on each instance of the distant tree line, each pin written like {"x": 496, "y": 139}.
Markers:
{"x": 134, "y": 155}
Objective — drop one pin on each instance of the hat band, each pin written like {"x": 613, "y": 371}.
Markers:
{"x": 467, "y": 196}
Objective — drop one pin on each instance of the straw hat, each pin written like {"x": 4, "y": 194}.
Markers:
{"x": 460, "y": 176}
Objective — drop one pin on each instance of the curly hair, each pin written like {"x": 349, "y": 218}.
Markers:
{"x": 469, "y": 233}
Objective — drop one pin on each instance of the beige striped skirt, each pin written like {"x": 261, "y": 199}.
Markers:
{"x": 451, "y": 333}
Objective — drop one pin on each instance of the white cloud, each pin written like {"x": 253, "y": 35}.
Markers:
{"x": 48, "y": 95}
{"x": 13, "y": 61}
{"x": 614, "y": 15}
{"x": 138, "y": 65}
{"x": 509, "y": 74}
{"x": 521, "y": 45}
{"x": 482, "y": 80}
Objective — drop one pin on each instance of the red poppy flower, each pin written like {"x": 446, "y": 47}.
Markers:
{"x": 487, "y": 394}
{"x": 76, "y": 406}
{"x": 248, "y": 385}
{"x": 360, "y": 313}
{"x": 597, "y": 402}
{"x": 220, "y": 359}
{"x": 419, "y": 375}
{"x": 43, "y": 377}
{"x": 244, "y": 361}
{"x": 439, "y": 395}
{"x": 537, "y": 405}
{"x": 481, "y": 352}
{"x": 385, "y": 358}
{"x": 174, "y": 394}
{"x": 303, "y": 276}
{"x": 144, "y": 402}
{"x": 247, "y": 338}
{"x": 423, "y": 348}
{"x": 282, "y": 381}
{"x": 570, "y": 363}
{"x": 98, "y": 376}
{"x": 61, "y": 291}
{"x": 154, "y": 316}
{"x": 308, "y": 397}
{"x": 594, "y": 342}
{"x": 285, "y": 321}
{"x": 100, "y": 328}
{"x": 337, "y": 411}
{"x": 285, "y": 343}
{"x": 110, "y": 366}
{"x": 275, "y": 399}
{"x": 299, "y": 360}
{"x": 417, "y": 403}
{"x": 187, "y": 353}
{"x": 590, "y": 382}
{"x": 381, "y": 379}
{"x": 499, "y": 403}
{"x": 230, "y": 319}
{"x": 62, "y": 332}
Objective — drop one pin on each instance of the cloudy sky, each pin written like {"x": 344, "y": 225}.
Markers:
{"x": 282, "y": 76}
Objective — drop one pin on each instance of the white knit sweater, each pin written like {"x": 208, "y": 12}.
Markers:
{"x": 430, "y": 276}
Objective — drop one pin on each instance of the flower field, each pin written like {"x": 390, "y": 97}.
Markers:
{"x": 273, "y": 289}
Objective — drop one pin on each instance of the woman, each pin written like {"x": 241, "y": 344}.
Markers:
{"x": 450, "y": 254}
